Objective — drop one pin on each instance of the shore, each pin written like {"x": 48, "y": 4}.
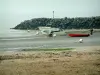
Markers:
{"x": 78, "y": 61}
{"x": 40, "y": 41}
{"x": 36, "y": 55}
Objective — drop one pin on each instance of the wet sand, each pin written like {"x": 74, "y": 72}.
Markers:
{"x": 64, "y": 41}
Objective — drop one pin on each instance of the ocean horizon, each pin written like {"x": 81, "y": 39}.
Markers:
{"x": 7, "y": 32}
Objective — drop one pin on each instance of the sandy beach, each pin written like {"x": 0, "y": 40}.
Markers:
{"x": 79, "y": 61}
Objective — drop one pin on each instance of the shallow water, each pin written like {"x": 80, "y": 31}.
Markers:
{"x": 12, "y": 40}
{"x": 15, "y": 33}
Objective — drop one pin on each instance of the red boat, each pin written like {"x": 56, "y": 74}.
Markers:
{"x": 79, "y": 35}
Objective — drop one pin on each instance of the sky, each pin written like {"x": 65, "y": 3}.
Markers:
{"x": 12, "y": 12}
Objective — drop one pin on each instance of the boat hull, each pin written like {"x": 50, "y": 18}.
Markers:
{"x": 78, "y": 35}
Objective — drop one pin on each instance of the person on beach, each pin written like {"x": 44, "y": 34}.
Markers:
{"x": 91, "y": 31}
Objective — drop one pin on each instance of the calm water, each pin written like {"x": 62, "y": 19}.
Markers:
{"x": 15, "y": 33}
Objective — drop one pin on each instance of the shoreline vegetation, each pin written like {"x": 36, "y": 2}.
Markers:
{"x": 49, "y": 49}
{"x": 17, "y": 56}
{"x": 71, "y": 62}
{"x": 61, "y": 23}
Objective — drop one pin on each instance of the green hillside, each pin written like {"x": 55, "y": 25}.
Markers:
{"x": 62, "y": 23}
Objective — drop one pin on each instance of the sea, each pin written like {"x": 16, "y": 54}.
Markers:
{"x": 15, "y": 33}
{"x": 10, "y": 37}
{"x": 16, "y": 40}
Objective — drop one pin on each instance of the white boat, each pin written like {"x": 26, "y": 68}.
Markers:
{"x": 48, "y": 31}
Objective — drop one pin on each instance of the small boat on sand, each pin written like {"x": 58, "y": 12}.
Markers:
{"x": 79, "y": 35}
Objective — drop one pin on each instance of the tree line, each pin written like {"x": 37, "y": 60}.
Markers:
{"x": 62, "y": 23}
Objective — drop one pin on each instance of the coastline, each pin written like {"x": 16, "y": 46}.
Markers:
{"x": 32, "y": 41}
{"x": 82, "y": 59}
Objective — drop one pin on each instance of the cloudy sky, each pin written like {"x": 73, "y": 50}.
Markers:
{"x": 12, "y": 12}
